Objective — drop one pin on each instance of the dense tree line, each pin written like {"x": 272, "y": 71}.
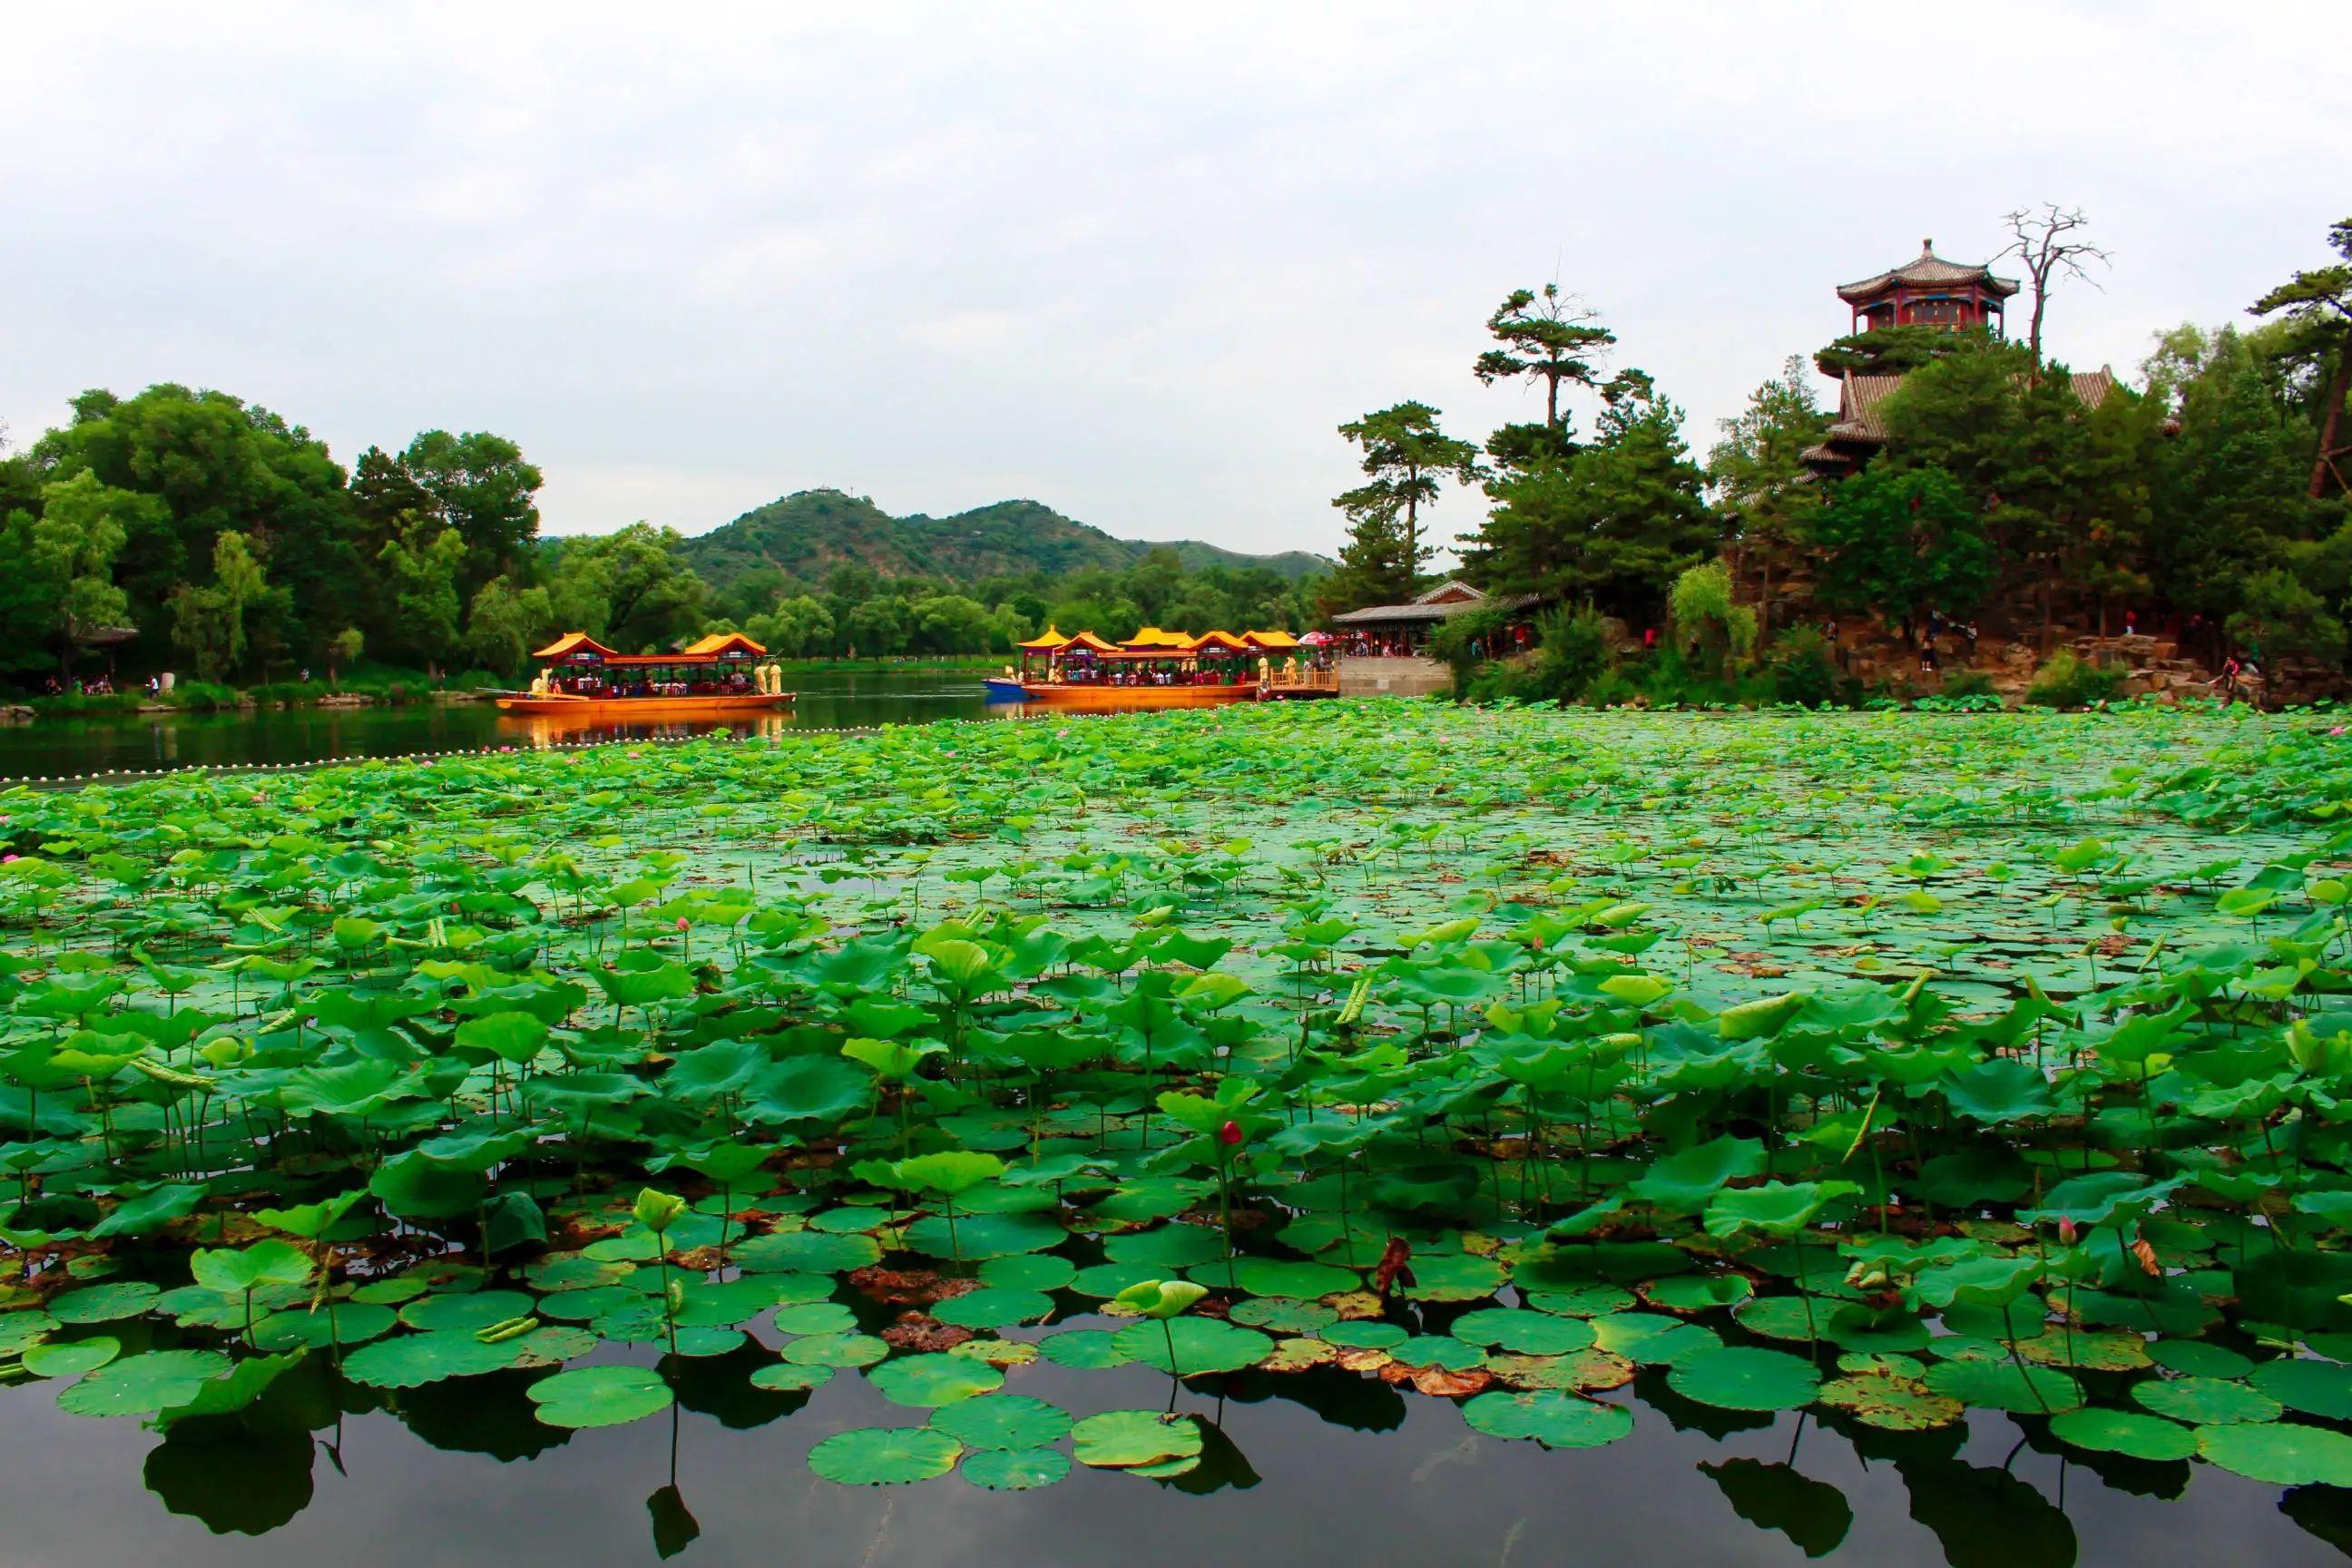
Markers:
{"x": 237, "y": 549}
{"x": 2212, "y": 495}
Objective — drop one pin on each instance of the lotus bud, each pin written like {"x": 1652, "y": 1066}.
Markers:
{"x": 1230, "y": 1133}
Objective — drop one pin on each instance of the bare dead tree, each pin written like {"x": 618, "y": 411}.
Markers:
{"x": 2047, "y": 242}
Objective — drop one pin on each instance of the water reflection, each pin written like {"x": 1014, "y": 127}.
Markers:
{"x": 144, "y": 743}
{"x": 1325, "y": 1464}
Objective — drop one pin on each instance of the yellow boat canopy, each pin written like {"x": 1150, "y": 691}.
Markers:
{"x": 1051, "y": 639}
{"x": 1222, "y": 642}
{"x": 1153, "y": 638}
{"x": 1272, "y": 642}
{"x": 1092, "y": 644}
{"x": 722, "y": 645}
{"x": 574, "y": 645}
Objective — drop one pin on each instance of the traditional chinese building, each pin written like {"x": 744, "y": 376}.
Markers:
{"x": 1929, "y": 291}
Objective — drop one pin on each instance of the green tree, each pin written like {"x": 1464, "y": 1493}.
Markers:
{"x": 1707, "y": 619}
{"x": 217, "y": 463}
{"x": 1376, "y": 565}
{"x": 1547, "y": 338}
{"x": 1897, "y": 350}
{"x": 1406, "y": 456}
{"x": 950, "y": 623}
{"x": 2318, "y": 305}
{"x": 208, "y": 623}
{"x": 876, "y": 627}
{"x": 2229, "y": 490}
{"x": 798, "y": 627}
{"x": 1900, "y": 542}
{"x": 1615, "y": 523}
{"x": 63, "y": 570}
{"x": 481, "y": 486}
{"x": 1767, "y": 494}
{"x": 631, "y": 589}
{"x": 504, "y": 623}
{"x": 424, "y": 562}
{"x": 342, "y": 651}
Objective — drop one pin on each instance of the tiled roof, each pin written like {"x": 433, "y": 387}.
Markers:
{"x": 1926, "y": 270}
{"x": 1421, "y": 610}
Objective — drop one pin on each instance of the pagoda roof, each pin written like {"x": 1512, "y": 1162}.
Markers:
{"x": 1929, "y": 270}
{"x": 1272, "y": 642}
{"x": 719, "y": 645}
{"x": 1224, "y": 641}
{"x": 572, "y": 643}
{"x": 1153, "y": 638}
{"x": 1092, "y": 644}
{"x": 1051, "y": 640}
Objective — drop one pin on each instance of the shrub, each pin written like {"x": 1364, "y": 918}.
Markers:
{"x": 2065, "y": 681}
{"x": 1969, "y": 683}
{"x": 1801, "y": 669}
{"x": 1454, "y": 640}
{"x": 1573, "y": 649}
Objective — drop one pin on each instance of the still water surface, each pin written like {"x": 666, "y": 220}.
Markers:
{"x": 828, "y": 700}
{"x": 1325, "y": 1468}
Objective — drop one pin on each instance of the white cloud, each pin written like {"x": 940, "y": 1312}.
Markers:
{"x": 1137, "y": 264}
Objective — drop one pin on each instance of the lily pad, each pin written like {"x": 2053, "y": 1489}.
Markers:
{"x": 1549, "y": 1417}
{"x": 1014, "y": 1469}
{"x": 2282, "y": 1453}
{"x": 2205, "y": 1401}
{"x": 2004, "y": 1385}
{"x": 884, "y": 1456}
{"x": 929, "y": 1381}
{"x": 1525, "y": 1332}
{"x": 605, "y": 1395}
{"x": 1126, "y": 1439}
{"x": 1004, "y": 1421}
{"x": 1738, "y": 1377}
{"x": 2125, "y": 1432}
{"x": 144, "y": 1385}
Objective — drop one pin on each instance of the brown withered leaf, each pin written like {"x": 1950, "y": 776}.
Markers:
{"x": 1395, "y": 1266}
{"x": 920, "y": 1333}
{"x": 1355, "y": 1359}
{"x": 909, "y": 1286}
{"x": 1356, "y": 1305}
{"x": 1442, "y": 1384}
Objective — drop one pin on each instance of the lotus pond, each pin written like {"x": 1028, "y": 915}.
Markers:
{"x": 1434, "y": 1129}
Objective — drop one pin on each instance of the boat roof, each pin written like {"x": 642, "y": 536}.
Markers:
{"x": 720, "y": 645}
{"x": 1051, "y": 640}
{"x": 1226, "y": 641}
{"x": 1273, "y": 642}
{"x": 572, "y": 643}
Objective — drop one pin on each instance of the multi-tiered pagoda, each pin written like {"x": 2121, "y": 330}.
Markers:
{"x": 1929, "y": 291}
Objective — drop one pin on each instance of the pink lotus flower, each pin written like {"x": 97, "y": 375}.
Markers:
{"x": 7, "y": 860}
{"x": 1230, "y": 1133}
{"x": 2337, "y": 731}
{"x": 681, "y": 922}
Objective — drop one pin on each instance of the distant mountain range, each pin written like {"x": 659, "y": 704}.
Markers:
{"x": 810, "y": 532}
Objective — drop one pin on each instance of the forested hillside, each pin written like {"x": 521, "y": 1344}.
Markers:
{"x": 809, "y": 533}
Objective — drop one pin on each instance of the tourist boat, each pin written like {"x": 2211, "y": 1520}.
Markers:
{"x": 716, "y": 677}
{"x": 1158, "y": 668}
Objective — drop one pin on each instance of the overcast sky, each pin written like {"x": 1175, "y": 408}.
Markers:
{"x": 1133, "y": 262}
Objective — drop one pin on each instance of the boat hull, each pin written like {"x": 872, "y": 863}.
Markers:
{"x": 1121, "y": 698}
{"x": 622, "y": 708}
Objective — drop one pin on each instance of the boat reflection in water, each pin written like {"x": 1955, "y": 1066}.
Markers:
{"x": 544, "y": 731}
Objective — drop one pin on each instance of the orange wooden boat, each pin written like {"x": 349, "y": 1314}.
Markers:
{"x": 716, "y": 677}
{"x": 1156, "y": 669}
